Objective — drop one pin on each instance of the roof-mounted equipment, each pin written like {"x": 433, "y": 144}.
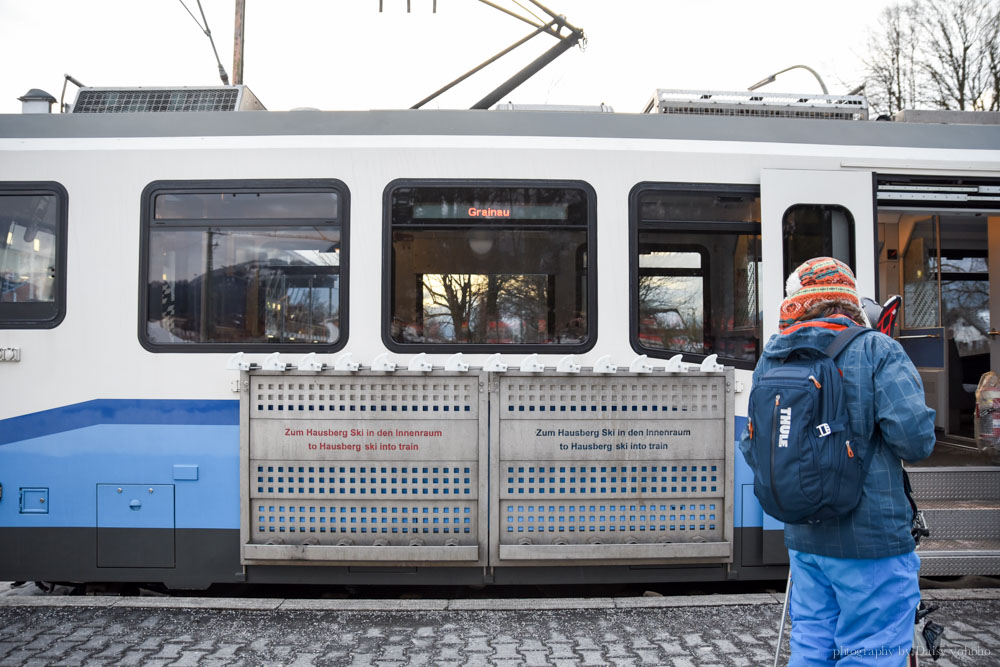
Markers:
{"x": 758, "y": 105}
{"x": 181, "y": 98}
{"x": 510, "y": 106}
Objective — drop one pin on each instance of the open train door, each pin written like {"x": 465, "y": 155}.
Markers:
{"x": 807, "y": 214}
{"x": 939, "y": 238}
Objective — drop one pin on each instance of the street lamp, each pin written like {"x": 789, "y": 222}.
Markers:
{"x": 770, "y": 79}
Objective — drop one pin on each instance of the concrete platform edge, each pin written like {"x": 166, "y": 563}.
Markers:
{"x": 507, "y": 604}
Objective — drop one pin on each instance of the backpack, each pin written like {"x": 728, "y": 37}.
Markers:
{"x": 807, "y": 465}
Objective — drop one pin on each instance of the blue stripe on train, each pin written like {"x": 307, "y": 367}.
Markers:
{"x": 71, "y": 450}
{"x": 118, "y": 411}
{"x": 747, "y": 512}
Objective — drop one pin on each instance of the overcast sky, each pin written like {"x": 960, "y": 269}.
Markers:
{"x": 344, "y": 54}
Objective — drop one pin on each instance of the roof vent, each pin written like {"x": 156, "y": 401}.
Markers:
{"x": 181, "y": 99}
{"x": 36, "y": 101}
{"x": 756, "y": 104}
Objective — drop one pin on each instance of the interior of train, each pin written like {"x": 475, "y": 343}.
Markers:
{"x": 938, "y": 246}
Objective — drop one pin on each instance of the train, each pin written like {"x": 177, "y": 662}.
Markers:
{"x": 489, "y": 347}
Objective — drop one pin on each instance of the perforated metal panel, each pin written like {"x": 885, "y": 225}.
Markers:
{"x": 275, "y": 397}
{"x": 682, "y": 521}
{"x": 611, "y": 469}
{"x": 362, "y": 479}
{"x": 363, "y": 467}
{"x": 691, "y": 479}
{"x": 276, "y": 520}
{"x": 664, "y": 397}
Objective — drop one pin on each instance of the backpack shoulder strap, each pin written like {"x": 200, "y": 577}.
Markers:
{"x": 843, "y": 339}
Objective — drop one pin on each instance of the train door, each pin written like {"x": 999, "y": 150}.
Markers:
{"x": 939, "y": 243}
{"x": 807, "y": 214}
{"x": 939, "y": 246}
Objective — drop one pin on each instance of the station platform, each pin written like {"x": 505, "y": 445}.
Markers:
{"x": 679, "y": 631}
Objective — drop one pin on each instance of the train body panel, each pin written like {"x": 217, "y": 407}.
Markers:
{"x": 116, "y": 399}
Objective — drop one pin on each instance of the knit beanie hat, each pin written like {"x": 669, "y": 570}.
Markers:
{"x": 815, "y": 281}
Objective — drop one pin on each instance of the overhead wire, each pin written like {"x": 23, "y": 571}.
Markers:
{"x": 208, "y": 33}
{"x": 537, "y": 17}
{"x": 510, "y": 13}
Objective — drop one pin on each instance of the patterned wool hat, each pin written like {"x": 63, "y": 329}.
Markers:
{"x": 817, "y": 280}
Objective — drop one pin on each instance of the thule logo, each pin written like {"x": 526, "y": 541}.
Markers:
{"x": 785, "y": 426}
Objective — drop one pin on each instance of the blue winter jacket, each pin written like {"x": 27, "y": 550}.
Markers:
{"x": 882, "y": 387}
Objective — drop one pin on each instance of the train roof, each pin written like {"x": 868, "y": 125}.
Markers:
{"x": 502, "y": 123}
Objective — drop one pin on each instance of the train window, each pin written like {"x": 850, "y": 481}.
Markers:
{"x": 695, "y": 266}
{"x": 244, "y": 265}
{"x": 32, "y": 255}
{"x": 817, "y": 230}
{"x": 476, "y": 266}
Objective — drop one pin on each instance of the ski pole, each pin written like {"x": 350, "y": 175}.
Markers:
{"x": 784, "y": 612}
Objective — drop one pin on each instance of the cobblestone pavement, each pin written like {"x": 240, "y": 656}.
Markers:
{"x": 722, "y": 630}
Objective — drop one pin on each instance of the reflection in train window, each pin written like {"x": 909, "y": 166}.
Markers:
{"x": 32, "y": 255}
{"x": 965, "y": 295}
{"x": 672, "y": 297}
{"x": 946, "y": 279}
{"x": 696, "y": 269}
{"x": 921, "y": 292}
{"x": 490, "y": 265}
{"x": 237, "y": 264}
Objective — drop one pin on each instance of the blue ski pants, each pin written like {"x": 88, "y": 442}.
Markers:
{"x": 852, "y": 611}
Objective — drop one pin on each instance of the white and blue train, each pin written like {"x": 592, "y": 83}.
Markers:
{"x": 457, "y": 346}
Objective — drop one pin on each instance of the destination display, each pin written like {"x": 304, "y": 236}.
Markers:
{"x": 477, "y": 210}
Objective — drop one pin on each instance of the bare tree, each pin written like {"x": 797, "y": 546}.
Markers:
{"x": 957, "y": 37}
{"x": 992, "y": 47}
{"x": 892, "y": 80}
{"x": 456, "y": 293}
{"x": 940, "y": 54}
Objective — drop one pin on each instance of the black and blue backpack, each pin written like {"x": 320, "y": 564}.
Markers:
{"x": 807, "y": 465}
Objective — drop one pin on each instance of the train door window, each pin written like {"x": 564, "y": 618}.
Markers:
{"x": 817, "y": 230}
{"x": 945, "y": 277}
{"x": 965, "y": 294}
{"x": 481, "y": 265}
{"x": 695, "y": 266}
{"x": 247, "y": 265}
{"x": 32, "y": 255}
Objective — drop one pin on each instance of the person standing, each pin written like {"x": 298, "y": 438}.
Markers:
{"x": 855, "y": 577}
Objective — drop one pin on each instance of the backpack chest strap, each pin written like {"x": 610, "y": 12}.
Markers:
{"x": 826, "y": 429}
